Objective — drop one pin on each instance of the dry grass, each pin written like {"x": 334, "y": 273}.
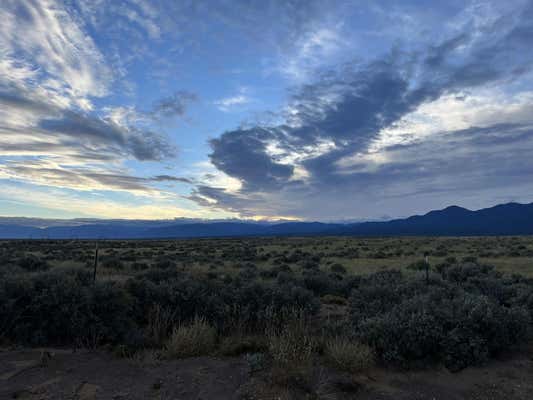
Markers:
{"x": 195, "y": 339}
{"x": 332, "y": 299}
{"x": 291, "y": 350}
{"x": 348, "y": 356}
{"x": 160, "y": 322}
{"x": 238, "y": 344}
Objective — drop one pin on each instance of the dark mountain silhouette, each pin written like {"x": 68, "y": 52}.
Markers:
{"x": 504, "y": 219}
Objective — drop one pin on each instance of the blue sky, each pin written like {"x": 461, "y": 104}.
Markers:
{"x": 309, "y": 110}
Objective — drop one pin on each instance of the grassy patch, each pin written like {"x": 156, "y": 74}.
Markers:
{"x": 347, "y": 355}
{"x": 291, "y": 350}
{"x": 197, "y": 338}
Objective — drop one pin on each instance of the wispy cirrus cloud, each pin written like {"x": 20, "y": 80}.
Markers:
{"x": 316, "y": 49}
{"x": 60, "y": 173}
{"x": 236, "y": 101}
{"x": 51, "y": 73}
{"x": 42, "y": 45}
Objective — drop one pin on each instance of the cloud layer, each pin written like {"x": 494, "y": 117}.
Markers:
{"x": 339, "y": 144}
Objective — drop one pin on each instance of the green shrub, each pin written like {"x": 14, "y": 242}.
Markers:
{"x": 320, "y": 283}
{"x": 32, "y": 263}
{"x": 480, "y": 329}
{"x": 338, "y": 268}
{"x": 61, "y": 307}
{"x": 444, "y": 324}
{"x": 111, "y": 262}
{"x": 165, "y": 263}
{"x": 420, "y": 265}
{"x": 406, "y": 336}
{"x": 138, "y": 266}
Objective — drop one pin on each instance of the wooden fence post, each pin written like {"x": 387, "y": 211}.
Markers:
{"x": 427, "y": 267}
{"x": 95, "y": 261}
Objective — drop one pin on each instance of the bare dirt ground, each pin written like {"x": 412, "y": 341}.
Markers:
{"x": 64, "y": 374}
{"x": 87, "y": 376}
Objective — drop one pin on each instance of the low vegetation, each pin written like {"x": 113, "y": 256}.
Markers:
{"x": 286, "y": 305}
{"x": 197, "y": 338}
{"x": 291, "y": 349}
{"x": 348, "y": 355}
{"x": 462, "y": 316}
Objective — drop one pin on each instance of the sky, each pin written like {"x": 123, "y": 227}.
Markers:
{"x": 309, "y": 110}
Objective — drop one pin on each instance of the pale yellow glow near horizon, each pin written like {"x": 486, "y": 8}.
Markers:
{"x": 103, "y": 208}
{"x": 110, "y": 209}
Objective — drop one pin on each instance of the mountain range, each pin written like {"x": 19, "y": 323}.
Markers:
{"x": 503, "y": 219}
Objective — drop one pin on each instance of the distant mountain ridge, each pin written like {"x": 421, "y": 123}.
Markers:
{"x": 503, "y": 219}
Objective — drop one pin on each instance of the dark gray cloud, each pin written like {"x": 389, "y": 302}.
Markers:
{"x": 476, "y": 166}
{"x": 22, "y": 101}
{"x": 348, "y": 110}
{"x": 464, "y": 160}
{"x": 146, "y": 145}
{"x": 174, "y": 105}
{"x": 118, "y": 181}
{"x": 246, "y": 206}
{"x": 78, "y": 131}
{"x": 99, "y": 133}
{"x": 170, "y": 178}
{"x": 256, "y": 168}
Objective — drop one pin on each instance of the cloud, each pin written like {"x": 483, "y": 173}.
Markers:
{"x": 170, "y": 178}
{"x": 313, "y": 49}
{"x": 49, "y": 127}
{"x": 345, "y": 111}
{"x": 275, "y": 25}
{"x": 475, "y": 166}
{"x": 46, "y": 145}
{"x": 359, "y": 111}
{"x": 415, "y": 110}
{"x": 462, "y": 161}
{"x": 41, "y": 37}
{"x": 47, "y": 173}
{"x": 139, "y": 19}
{"x": 454, "y": 112}
{"x": 228, "y": 104}
{"x": 143, "y": 17}
{"x": 252, "y": 165}
{"x": 53, "y": 173}
{"x": 175, "y": 105}
{"x": 50, "y": 73}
